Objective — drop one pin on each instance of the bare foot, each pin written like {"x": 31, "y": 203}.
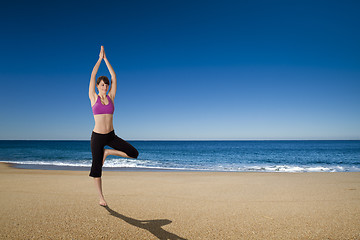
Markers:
{"x": 103, "y": 203}
{"x": 106, "y": 153}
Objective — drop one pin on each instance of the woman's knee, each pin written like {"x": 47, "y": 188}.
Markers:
{"x": 133, "y": 153}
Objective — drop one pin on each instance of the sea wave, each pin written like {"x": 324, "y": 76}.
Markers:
{"x": 110, "y": 163}
{"x": 51, "y": 163}
{"x": 149, "y": 164}
{"x": 289, "y": 168}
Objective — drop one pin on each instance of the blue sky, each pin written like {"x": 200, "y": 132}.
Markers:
{"x": 186, "y": 69}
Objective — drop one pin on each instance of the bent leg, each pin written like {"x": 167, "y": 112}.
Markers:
{"x": 121, "y": 148}
{"x": 114, "y": 152}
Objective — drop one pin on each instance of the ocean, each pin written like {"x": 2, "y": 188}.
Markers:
{"x": 232, "y": 156}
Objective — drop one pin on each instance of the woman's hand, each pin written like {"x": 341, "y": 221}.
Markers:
{"x": 104, "y": 56}
{"x": 102, "y": 52}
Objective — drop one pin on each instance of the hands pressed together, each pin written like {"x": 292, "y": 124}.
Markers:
{"x": 102, "y": 56}
{"x": 102, "y": 53}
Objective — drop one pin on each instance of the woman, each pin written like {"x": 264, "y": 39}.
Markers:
{"x": 103, "y": 134}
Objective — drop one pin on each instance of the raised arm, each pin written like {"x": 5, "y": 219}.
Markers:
{"x": 92, "y": 85}
{"x": 112, "y": 91}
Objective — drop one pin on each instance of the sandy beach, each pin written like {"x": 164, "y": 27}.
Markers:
{"x": 49, "y": 204}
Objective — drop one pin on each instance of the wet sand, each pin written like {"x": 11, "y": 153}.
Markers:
{"x": 52, "y": 204}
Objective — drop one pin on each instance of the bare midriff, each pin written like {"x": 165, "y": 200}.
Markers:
{"x": 103, "y": 123}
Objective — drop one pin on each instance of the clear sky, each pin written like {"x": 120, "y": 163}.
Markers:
{"x": 185, "y": 69}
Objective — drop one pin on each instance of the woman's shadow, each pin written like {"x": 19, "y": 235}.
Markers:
{"x": 153, "y": 226}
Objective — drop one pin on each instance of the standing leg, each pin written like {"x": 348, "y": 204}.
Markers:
{"x": 98, "y": 142}
{"x": 98, "y": 184}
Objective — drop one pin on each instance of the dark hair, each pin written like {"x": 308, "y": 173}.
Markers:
{"x": 103, "y": 78}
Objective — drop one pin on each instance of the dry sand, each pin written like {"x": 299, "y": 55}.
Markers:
{"x": 49, "y": 204}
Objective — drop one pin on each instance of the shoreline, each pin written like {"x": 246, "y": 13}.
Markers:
{"x": 107, "y": 169}
{"x": 155, "y": 169}
{"x": 43, "y": 204}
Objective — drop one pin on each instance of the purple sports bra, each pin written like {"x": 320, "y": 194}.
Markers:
{"x": 100, "y": 108}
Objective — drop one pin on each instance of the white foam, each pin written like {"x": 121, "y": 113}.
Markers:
{"x": 148, "y": 164}
{"x": 122, "y": 162}
{"x": 288, "y": 168}
{"x": 109, "y": 163}
{"x": 52, "y": 163}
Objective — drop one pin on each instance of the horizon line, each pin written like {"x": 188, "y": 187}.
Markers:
{"x": 280, "y": 139}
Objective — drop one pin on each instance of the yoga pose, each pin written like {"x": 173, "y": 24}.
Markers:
{"x": 103, "y": 134}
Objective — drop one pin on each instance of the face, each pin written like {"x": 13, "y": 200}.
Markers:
{"x": 102, "y": 87}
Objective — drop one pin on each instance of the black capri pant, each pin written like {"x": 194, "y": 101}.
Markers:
{"x": 99, "y": 141}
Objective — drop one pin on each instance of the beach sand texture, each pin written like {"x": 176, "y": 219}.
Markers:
{"x": 44, "y": 204}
